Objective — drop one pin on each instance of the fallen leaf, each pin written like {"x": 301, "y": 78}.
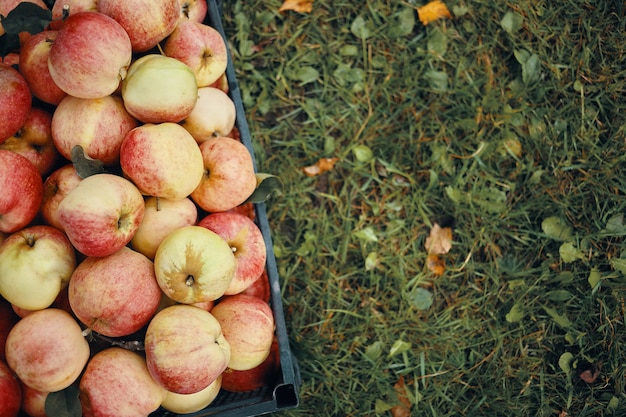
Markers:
{"x": 301, "y": 6}
{"x": 433, "y": 11}
{"x": 439, "y": 241}
{"x": 321, "y": 166}
{"x": 435, "y": 264}
{"x": 404, "y": 408}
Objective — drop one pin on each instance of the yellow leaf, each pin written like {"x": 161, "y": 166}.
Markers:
{"x": 433, "y": 11}
{"x": 301, "y": 6}
{"x": 435, "y": 264}
{"x": 320, "y": 167}
{"x": 404, "y": 408}
{"x": 440, "y": 240}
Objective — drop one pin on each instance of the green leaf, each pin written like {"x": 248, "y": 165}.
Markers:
{"x": 555, "y": 228}
{"x": 594, "y": 278}
{"x": 437, "y": 80}
{"x": 565, "y": 362}
{"x": 421, "y": 298}
{"x": 374, "y": 351}
{"x": 304, "y": 74}
{"x": 531, "y": 69}
{"x": 360, "y": 28}
{"x": 64, "y": 403}
{"x": 404, "y": 24}
{"x": 437, "y": 42}
{"x": 615, "y": 225}
{"x": 26, "y": 17}
{"x": 515, "y": 314}
{"x": 371, "y": 261}
{"x": 9, "y": 42}
{"x": 618, "y": 264}
{"x": 363, "y": 153}
{"x": 367, "y": 234}
{"x": 559, "y": 295}
{"x": 267, "y": 186}
{"x": 570, "y": 253}
{"x": 560, "y": 319}
{"x": 85, "y": 166}
{"x": 511, "y": 22}
{"x": 398, "y": 347}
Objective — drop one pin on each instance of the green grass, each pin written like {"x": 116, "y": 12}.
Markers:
{"x": 491, "y": 122}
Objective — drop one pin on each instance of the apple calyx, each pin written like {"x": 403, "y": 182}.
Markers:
{"x": 189, "y": 281}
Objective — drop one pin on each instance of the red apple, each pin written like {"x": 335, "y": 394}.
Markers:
{"x": 161, "y": 217}
{"x": 116, "y": 382}
{"x": 55, "y": 188}
{"x": 70, "y": 7}
{"x": 22, "y": 189}
{"x": 10, "y": 392}
{"x": 162, "y": 160}
{"x": 201, "y": 47}
{"x": 8, "y": 318}
{"x": 34, "y": 66}
{"x": 15, "y": 101}
{"x": 101, "y": 214}
{"x": 34, "y": 141}
{"x": 98, "y": 125}
{"x": 222, "y": 84}
{"x": 34, "y": 401}
{"x": 195, "y": 10}
{"x": 12, "y": 58}
{"x": 159, "y": 89}
{"x": 255, "y": 378}
{"x": 47, "y": 350}
{"x": 248, "y": 326}
{"x": 194, "y": 264}
{"x": 185, "y": 349}
{"x": 260, "y": 288}
{"x": 115, "y": 295}
{"x": 246, "y": 241}
{"x": 213, "y": 115}
{"x": 90, "y": 55}
{"x": 36, "y": 263}
{"x": 147, "y": 22}
{"x": 229, "y": 177}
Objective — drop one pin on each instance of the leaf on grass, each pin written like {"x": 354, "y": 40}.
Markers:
{"x": 556, "y": 228}
{"x": 267, "y": 185}
{"x": 300, "y": 6}
{"x": 560, "y": 319}
{"x": 85, "y": 165}
{"x": 421, "y": 298}
{"x": 398, "y": 347}
{"x": 516, "y": 314}
{"x": 435, "y": 264}
{"x": 565, "y": 362}
{"x": 570, "y": 253}
{"x": 404, "y": 408}
{"x": 511, "y": 22}
{"x": 439, "y": 242}
{"x": 433, "y": 11}
{"x": 321, "y": 166}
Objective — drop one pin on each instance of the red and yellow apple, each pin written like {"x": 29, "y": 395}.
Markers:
{"x": 195, "y": 10}
{"x": 33, "y": 401}
{"x": 22, "y": 190}
{"x": 194, "y": 264}
{"x": 36, "y": 263}
{"x": 58, "y": 184}
{"x": 101, "y": 214}
{"x": 161, "y": 217}
{"x": 248, "y": 326}
{"x": 10, "y": 392}
{"x": 15, "y": 101}
{"x": 47, "y": 350}
{"x": 251, "y": 379}
{"x": 185, "y": 349}
{"x": 90, "y": 55}
{"x": 115, "y": 295}
{"x": 190, "y": 403}
{"x": 116, "y": 382}
{"x": 69, "y": 7}
{"x": 213, "y": 115}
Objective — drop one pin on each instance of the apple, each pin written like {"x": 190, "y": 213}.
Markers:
{"x": 201, "y": 47}
{"x": 101, "y": 214}
{"x": 34, "y": 141}
{"x": 15, "y": 101}
{"x": 10, "y": 392}
{"x": 33, "y": 66}
{"x": 161, "y": 217}
{"x": 47, "y": 350}
{"x": 99, "y": 125}
{"x": 36, "y": 263}
{"x": 115, "y": 295}
{"x": 193, "y": 264}
{"x": 162, "y": 160}
{"x": 248, "y": 326}
{"x": 159, "y": 89}
{"x": 8, "y": 318}
{"x": 229, "y": 177}
{"x": 190, "y": 403}
{"x": 185, "y": 349}
{"x": 12, "y": 58}
{"x": 116, "y": 382}
{"x": 58, "y": 184}
{"x": 260, "y": 288}
{"x": 195, "y": 10}
{"x": 221, "y": 83}
{"x": 247, "y": 243}
{"x": 213, "y": 115}
{"x": 90, "y": 55}
{"x": 33, "y": 401}
{"x": 22, "y": 189}
{"x": 255, "y": 378}
{"x": 64, "y": 8}
{"x": 147, "y": 22}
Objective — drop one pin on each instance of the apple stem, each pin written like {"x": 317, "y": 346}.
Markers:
{"x": 66, "y": 11}
{"x": 158, "y": 204}
{"x": 87, "y": 332}
{"x": 189, "y": 282}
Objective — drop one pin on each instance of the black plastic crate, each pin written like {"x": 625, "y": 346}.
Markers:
{"x": 284, "y": 393}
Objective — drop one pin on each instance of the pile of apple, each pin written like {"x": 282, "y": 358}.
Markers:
{"x": 131, "y": 267}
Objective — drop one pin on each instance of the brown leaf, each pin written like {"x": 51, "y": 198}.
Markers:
{"x": 440, "y": 240}
{"x": 301, "y": 6}
{"x": 435, "y": 264}
{"x": 433, "y": 11}
{"x": 404, "y": 408}
{"x": 321, "y": 166}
